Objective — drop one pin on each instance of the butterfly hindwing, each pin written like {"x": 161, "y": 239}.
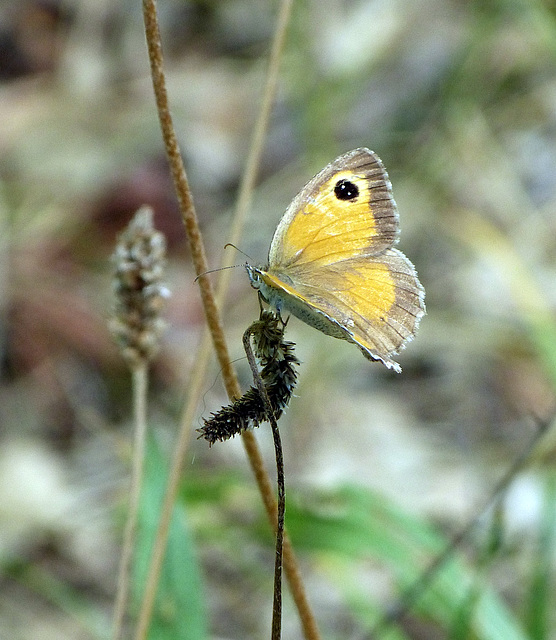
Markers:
{"x": 376, "y": 303}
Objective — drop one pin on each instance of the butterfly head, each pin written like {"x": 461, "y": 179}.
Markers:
{"x": 262, "y": 282}
{"x": 255, "y": 276}
{"x": 258, "y": 278}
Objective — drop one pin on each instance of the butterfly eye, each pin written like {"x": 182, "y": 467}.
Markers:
{"x": 346, "y": 190}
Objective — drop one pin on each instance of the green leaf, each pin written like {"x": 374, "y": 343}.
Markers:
{"x": 179, "y": 610}
{"x": 541, "y": 604}
{"x": 357, "y": 525}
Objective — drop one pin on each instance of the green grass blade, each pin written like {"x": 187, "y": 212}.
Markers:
{"x": 359, "y": 526}
{"x": 179, "y": 611}
{"x": 540, "y": 614}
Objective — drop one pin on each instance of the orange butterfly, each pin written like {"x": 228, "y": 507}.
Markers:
{"x": 332, "y": 263}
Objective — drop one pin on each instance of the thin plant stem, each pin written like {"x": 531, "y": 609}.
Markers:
{"x": 140, "y": 385}
{"x": 195, "y": 386}
{"x": 185, "y": 198}
{"x": 173, "y": 483}
{"x": 249, "y": 176}
{"x": 215, "y": 327}
{"x": 281, "y": 486}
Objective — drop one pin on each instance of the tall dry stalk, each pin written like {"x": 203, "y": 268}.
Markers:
{"x": 139, "y": 260}
{"x": 214, "y": 325}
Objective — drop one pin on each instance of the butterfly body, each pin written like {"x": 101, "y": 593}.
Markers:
{"x": 332, "y": 263}
{"x": 282, "y": 297}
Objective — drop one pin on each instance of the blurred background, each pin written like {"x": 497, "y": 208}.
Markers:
{"x": 459, "y": 100}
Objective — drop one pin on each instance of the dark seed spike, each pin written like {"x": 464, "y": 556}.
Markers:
{"x": 277, "y": 360}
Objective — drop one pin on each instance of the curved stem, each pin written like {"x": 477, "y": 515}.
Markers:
{"x": 279, "y": 526}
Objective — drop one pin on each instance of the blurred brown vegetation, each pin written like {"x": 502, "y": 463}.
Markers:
{"x": 457, "y": 98}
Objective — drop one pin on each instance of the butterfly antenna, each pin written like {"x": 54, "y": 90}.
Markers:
{"x": 229, "y": 244}
{"x": 232, "y": 266}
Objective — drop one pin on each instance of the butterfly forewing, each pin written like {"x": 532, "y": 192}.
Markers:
{"x": 322, "y": 226}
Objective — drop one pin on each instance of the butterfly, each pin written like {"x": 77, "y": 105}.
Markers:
{"x": 332, "y": 261}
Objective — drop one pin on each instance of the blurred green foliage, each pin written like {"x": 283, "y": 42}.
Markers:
{"x": 458, "y": 99}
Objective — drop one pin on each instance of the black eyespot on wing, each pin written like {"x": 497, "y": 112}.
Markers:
{"x": 346, "y": 190}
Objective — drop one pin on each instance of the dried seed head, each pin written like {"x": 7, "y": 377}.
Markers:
{"x": 139, "y": 260}
{"x": 278, "y": 372}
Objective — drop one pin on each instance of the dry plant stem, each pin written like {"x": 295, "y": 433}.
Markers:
{"x": 281, "y": 508}
{"x": 257, "y": 141}
{"x": 140, "y": 384}
{"x": 213, "y": 320}
{"x": 412, "y": 594}
{"x": 185, "y": 198}
{"x": 291, "y": 567}
{"x": 159, "y": 546}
